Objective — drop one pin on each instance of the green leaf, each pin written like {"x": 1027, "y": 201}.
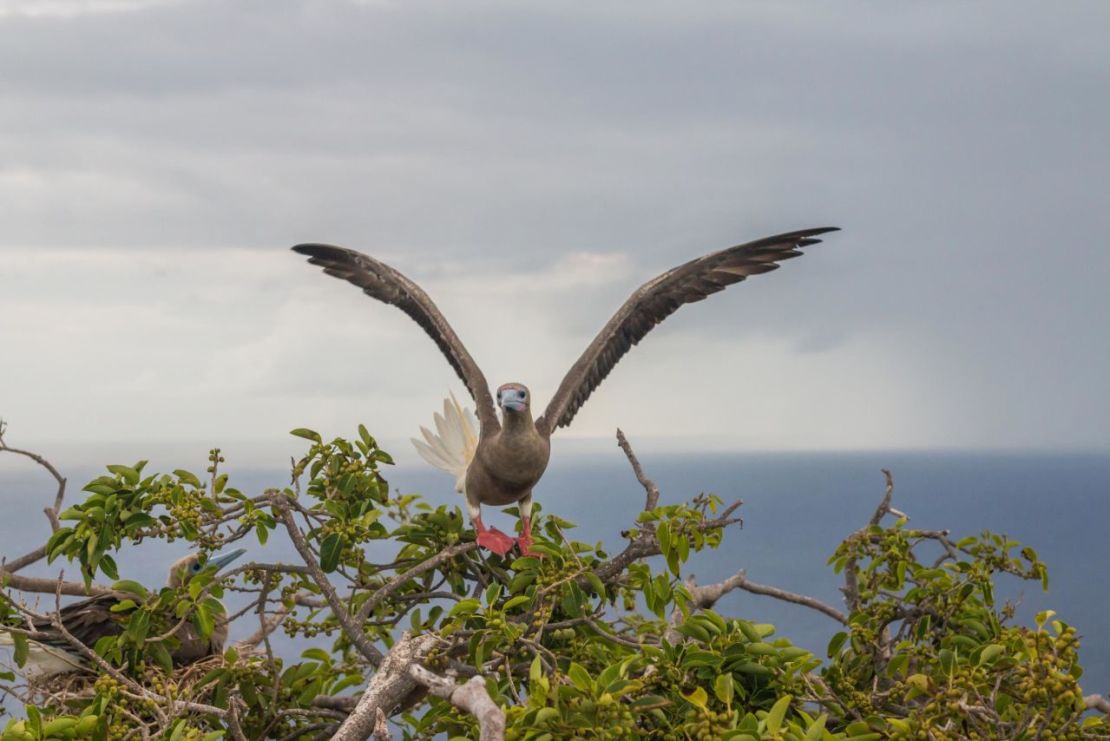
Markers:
{"x": 329, "y": 552}
{"x": 520, "y": 599}
{"x": 122, "y": 606}
{"x": 535, "y": 671}
{"x": 543, "y": 715}
{"x": 21, "y": 648}
{"x": 130, "y": 587}
{"x": 698, "y": 697}
{"x": 837, "y": 643}
{"x": 990, "y": 653}
{"x": 663, "y": 533}
{"x": 723, "y": 689}
{"x": 129, "y": 474}
{"x": 596, "y": 583}
{"x": 187, "y": 477}
{"x": 464, "y": 607}
{"x": 204, "y": 621}
{"x": 307, "y": 434}
{"x": 108, "y": 566}
{"x": 777, "y": 712}
{"x": 750, "y": 632}
{"x": 580, "y": 677}
{"x": 34, "y": 719}
{"x": 817, "y": 731}
{"x": 161, "y": 655}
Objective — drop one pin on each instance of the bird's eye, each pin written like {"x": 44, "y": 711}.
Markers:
{"x": 196, "y": 566}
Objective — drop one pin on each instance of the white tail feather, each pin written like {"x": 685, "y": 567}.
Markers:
{"x": 452, "y": 449}
{"x": 45, "y": 661}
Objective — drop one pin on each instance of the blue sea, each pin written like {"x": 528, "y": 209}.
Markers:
{"x": 797, "y": 508}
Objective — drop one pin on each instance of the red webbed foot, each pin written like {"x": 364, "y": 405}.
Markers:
{"x": 525, "y": 540}
{"x": 493, "y": 539}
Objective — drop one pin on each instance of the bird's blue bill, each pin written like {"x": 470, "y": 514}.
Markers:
{"x": 220, "y": 561}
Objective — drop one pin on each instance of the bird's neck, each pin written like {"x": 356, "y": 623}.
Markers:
{"x": 518, "y": 423}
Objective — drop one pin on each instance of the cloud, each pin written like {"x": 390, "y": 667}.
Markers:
{"x": 531, "y": 166}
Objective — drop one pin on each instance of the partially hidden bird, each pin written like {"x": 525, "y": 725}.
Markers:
{"x": 499, "y": 463}
{"x": 50, "y": 652}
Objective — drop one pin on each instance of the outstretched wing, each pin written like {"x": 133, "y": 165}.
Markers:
{"x": 655, "y": 301}
{"x": 384, "y": 283}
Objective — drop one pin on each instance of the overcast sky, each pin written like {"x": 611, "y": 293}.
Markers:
{"x": 530, "y": 164}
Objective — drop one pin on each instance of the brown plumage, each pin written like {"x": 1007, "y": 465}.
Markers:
{"x": 92, "y": 619}
{"x": 510, "y": 459}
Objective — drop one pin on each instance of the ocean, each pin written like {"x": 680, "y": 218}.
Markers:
{"x": 797, "y": 508}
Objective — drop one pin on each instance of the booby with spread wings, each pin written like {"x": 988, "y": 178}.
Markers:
{"x": 501, "y": 462}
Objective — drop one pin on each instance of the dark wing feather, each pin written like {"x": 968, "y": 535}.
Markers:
{"x": 655, "y": 301}
{"x": 382, "y": 282}
{"x": 88, "y": 621}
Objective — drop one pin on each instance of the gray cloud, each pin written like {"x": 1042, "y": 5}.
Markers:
{"x": 962, "y": 147}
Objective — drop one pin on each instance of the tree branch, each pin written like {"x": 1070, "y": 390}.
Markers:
{"x": 649, "y": 486}
{"x": 388, "y": 687}
{"x": 470, "y": 697}
{"x": 396, "y": 582}
{"x": 51, "y": 512}
{"x": 1097, "y": 702}
{"x": 352, "y": 629}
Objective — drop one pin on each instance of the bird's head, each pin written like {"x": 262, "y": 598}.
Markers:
{"x": 513, "y": 398}
{"x": 186, "y": 568}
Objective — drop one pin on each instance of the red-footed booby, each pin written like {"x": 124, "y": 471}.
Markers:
{"x": 49, "y": 651}
{"x": 500, "y": 463}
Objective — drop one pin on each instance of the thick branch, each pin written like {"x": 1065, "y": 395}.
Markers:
{"x": 389, "y": 686}
{"x": 49, "y": 586}
{"x": 470, "y": 697}
{"x": 1097, "y": 702}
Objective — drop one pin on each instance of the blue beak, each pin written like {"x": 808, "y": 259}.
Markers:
{"x": 220, "y": 561}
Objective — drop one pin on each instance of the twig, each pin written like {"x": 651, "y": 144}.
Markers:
{"x": 649, "y": 485}
{"x": 704, "y": 597}
{"x": 396, "y": 582}
{"x": 51, "y": 512}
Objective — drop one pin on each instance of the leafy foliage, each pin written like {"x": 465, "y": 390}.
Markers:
{"x": 580, "y": 643}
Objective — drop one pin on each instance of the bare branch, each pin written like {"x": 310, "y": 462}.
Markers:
{"x": 884, "y": 506}
{"x": 706, "y": 596}
{"x": 51, "y": 512}
{"x": 1097, "y": 702}
{"x": 381, "y": 727}
{"x": 50, "y": 586}
{"x": 851, "y": 569}
{"x": 470, "y": 697}
{"x": 388, "y": 687}
{"x": 649, "y": 485}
